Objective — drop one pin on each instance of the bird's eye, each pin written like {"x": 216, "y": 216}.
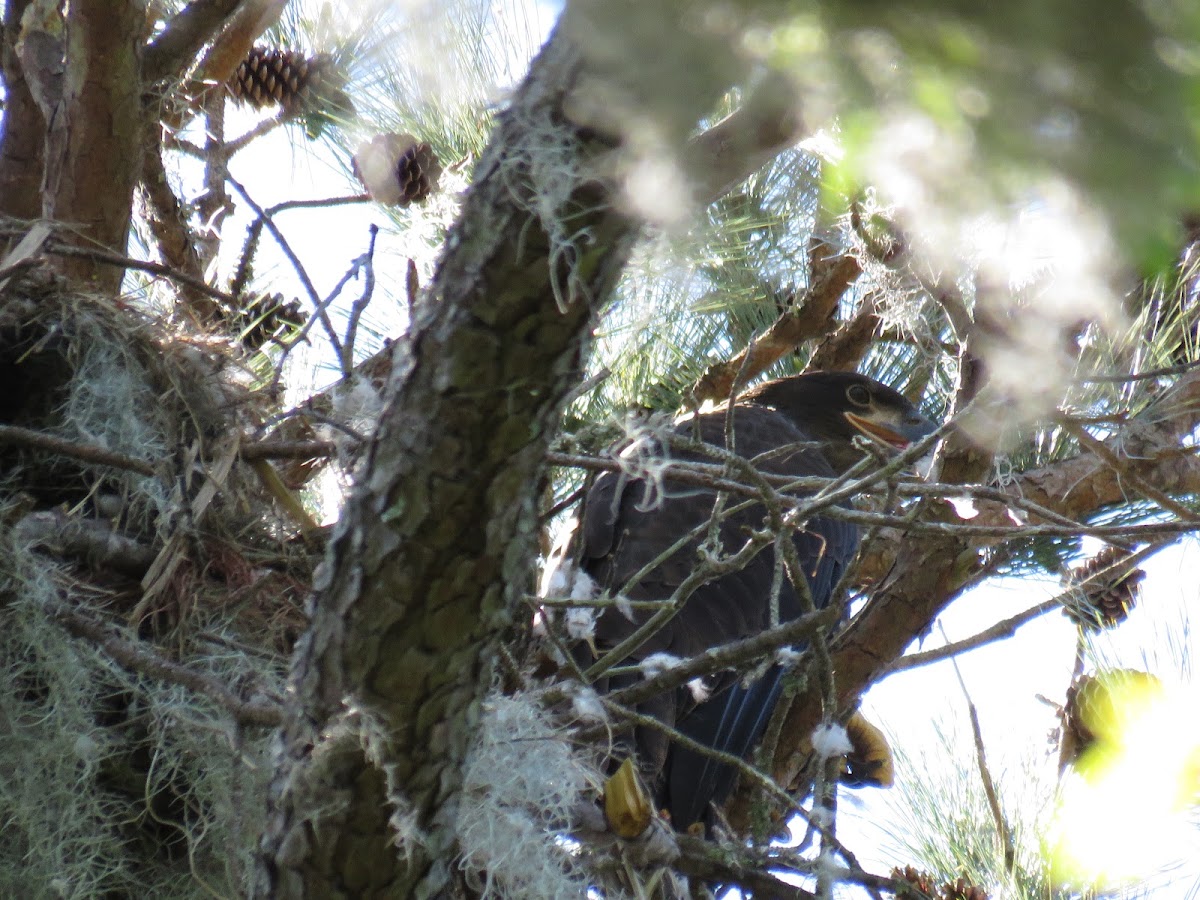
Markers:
{"x": 858, "y": 395}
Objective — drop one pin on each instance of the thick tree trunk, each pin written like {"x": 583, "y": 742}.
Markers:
{"x": 94, "y": 139}
{"x": 22, "y": 130}
{"x": 436, "y": 547}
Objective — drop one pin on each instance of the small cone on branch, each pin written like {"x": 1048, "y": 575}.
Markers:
{"x": 1107, "y": 600}
{"x": 1098, "y": 713}
{"x": 272, "y": 77}
{"x": 264, "y": 317}
{"x": 397, "y": 169}
{"x": 922, "y": 881}
{"x": 959, "y": 889}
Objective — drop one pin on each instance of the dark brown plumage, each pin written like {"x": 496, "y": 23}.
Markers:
{"x": 815, "y": 416}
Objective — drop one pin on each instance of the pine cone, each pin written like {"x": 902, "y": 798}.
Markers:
{"x": 269, "y": 77}
{"x": 1098, "y": 709}
{"x": 1107, "y": 600}
{"x": 418, "y": 172}
{"x": 397, "y": 169}
{"x": 922, "y": 881}
{"x": 265, "y": 317}
{"x": 960, "y": 889}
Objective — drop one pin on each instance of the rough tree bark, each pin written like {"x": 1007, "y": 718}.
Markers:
{"x": 21, "y": 130}
{"x": 92, "y": 147}
{"x": 437, "y": 545}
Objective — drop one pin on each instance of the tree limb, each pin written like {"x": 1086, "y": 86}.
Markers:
{"x": 810, "y": 317}
{"x": 88, "y": 540}
{"x": 169, "y": 54}
{"x": 141, "y": 658}
{"x": 28, "y": 437}
{"x": 430, "y": 564}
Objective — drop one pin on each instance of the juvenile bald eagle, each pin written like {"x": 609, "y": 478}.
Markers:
{"x": 817, "y": 416}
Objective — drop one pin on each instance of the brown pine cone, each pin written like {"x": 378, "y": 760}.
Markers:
{"x": 397, "y": 169}
{"x": 269, "y": 77}
{"x": 1104, "y": 600}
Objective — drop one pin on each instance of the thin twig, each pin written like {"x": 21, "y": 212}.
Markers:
{"x": 322, "y": 307}
{"x": 598, "y": 603}
{"x": 319, "y": 203}
{"x": 141, "y": 265}
{"x": 695, "y": 473}
{"x": 27, "y": 437}
{"x": 727, "y": 656}
{"x": 365, "y": 262}
{"x": 1008, "y": 627}
{"x": 319, "y": 306}
{"x": 1003, "y": 832}
{"x": 699, "y": 576}
{"x": 266, "y": 126}
{"x": 1003, "y": 629}
{"x": 139, "y": 657}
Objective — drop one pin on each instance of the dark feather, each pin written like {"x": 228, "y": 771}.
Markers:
{"x": 620, "y": 534}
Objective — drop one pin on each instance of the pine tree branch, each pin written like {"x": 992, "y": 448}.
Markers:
{"x": 249, "y": 21}
{"x": 139, "y": 657}
{"x": 170, "y": 54}
{"x": 810, "y": 317}
{"x": 107, "y": 258}
{"x": 288, "y": 450}
{"x": 843, "y": 350}
{"x": 1124, "y": 472}
{"x": 89, "y": 453}
{"x": 90, "y": 541}
{"x": 171, "y": 231}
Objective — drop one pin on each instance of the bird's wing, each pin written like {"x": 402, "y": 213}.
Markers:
{"x": 623, "y": 530}
{"x": 627, "y": 525}
{"x": 734, "y": 720}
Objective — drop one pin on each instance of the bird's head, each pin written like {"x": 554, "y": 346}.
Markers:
{"x": 835, "y": 407}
